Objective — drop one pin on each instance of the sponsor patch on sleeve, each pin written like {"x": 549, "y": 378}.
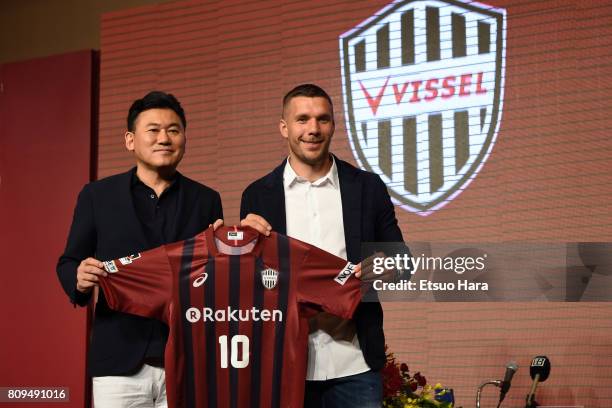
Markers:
{"x": 129, "y": 259}
{"x": 110, "y": 266}
{"x": 345, "y": 273}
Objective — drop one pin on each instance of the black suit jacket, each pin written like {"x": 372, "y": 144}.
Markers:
{"x": 368, "y": 215}
{"x": 105, "y": 226}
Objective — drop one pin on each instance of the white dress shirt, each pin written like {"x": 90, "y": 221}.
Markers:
{"x": 314, "y": 215}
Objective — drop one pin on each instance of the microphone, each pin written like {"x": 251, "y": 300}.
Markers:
{"x": 511, "y": 368}
{"x": 539, "y": 372}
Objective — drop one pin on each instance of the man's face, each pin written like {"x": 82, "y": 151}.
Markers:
{"x": 158, "y": 139}
{"x": 308, "y": 126}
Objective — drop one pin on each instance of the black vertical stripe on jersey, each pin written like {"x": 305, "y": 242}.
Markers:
{"x": 258, "y": 289}
{"x": 210, "y": 336}
{"x": 185, "y": 290}
{"x": 234, "y": 303}
{"x": 284, "y": 279}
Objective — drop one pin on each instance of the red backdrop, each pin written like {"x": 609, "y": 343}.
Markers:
{"x": 45, "y": 159}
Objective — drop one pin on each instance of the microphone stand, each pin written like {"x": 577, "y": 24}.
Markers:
{"x": 497, "y": 383}
{"x": 531, "y": 402}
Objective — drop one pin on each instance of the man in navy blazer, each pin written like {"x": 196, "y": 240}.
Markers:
{"x": 148, "y": 206}
{"x": 318, "y": 198}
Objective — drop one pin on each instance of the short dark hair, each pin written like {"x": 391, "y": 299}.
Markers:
{"x": 308, "y": 90}
{"x": 155, "y": 100}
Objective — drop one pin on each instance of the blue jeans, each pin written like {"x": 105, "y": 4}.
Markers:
{"x": 355, "y": 391}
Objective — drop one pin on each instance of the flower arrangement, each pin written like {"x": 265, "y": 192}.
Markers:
{"x": 403, "y": 390}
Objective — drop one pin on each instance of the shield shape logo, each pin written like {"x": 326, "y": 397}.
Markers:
{"x": 423, "y": 84}
{"x": 269, "y": 278}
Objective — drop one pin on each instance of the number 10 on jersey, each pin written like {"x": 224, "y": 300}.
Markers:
{"x": 238, "y": 341}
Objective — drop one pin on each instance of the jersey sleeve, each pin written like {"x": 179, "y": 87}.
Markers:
{"x": 139, "y": 284}
{"x": 327, "y": 281}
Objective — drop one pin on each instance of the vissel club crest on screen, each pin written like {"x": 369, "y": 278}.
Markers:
{"x": 423, "y": 87}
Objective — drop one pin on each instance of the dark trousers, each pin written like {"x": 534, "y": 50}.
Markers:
{"x": 356, "y": 391}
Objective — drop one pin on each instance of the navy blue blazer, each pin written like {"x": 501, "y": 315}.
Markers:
{"x": 105, "y": 226}
{"x": 368, "y": 215}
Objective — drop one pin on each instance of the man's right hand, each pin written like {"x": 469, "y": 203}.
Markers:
{"x": 88, "y": 272}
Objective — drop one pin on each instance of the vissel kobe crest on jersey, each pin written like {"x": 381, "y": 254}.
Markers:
{"x": 422, "y": 82}
{"x": 269, "y": 278}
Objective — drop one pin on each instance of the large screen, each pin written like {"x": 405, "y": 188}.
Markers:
{"x": 489, "y": 123}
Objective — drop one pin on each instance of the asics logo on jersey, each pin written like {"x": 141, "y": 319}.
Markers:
{"x": 199, "y": 281}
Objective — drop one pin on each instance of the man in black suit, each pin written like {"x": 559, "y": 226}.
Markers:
{"x": 148, "y": 206}
{"x": 320, "y": 199}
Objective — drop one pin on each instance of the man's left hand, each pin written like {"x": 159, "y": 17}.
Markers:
{"x": 258, "y": 223}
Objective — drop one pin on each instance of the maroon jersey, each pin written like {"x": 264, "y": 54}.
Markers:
{"x": 237, "y": 304}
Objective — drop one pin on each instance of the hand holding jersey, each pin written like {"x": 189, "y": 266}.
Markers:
{"x": 257, "y": 222}
{"x": 369, "y": 275}
{"x": 88, "y": 273}
{"x": 218, "y": 223}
